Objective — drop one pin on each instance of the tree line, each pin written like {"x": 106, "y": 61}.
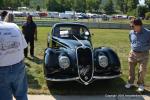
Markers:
{"x": 130, "y": 7}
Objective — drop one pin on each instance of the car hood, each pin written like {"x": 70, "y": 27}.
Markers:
{"x": 70, "y": 43}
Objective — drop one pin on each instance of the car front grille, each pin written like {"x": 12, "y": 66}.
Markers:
{"x": 85, "y": 63}
{"x": 84, "y": 56}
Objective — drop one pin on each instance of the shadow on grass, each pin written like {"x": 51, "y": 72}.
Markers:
{"x": 33, "y": 82}
{"x": 36, "y": 60}
{"x": 27, "y": 64}
{"x": 99, "y": 87}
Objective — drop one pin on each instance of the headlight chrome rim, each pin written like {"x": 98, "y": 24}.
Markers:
{"x": 103, "y": 61}
{"x": 64, "y": 62}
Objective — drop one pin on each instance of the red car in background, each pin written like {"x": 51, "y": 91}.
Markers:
{"x": 43, "y": 14}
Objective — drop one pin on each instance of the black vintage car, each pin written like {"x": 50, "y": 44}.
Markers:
{"x": 70, "y": 56}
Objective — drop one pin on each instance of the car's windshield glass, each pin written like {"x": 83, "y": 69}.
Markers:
{"x": 73, "y": 32}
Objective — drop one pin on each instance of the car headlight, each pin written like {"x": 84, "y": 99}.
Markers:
{"x": 64, "y": 62}
{"x": 103, "y": 61}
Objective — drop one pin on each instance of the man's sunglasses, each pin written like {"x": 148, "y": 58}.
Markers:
{"x": 131, "y": 26}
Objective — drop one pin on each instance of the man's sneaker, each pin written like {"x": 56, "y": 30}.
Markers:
{"x": 128, "y": 85}
{"x": 32, "y": 57}
{"x": 141, "y": 88}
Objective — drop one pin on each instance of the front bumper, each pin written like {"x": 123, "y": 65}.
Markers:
{"x": 106, "y": 77}
{"x": 78, "y": 78}
{"x": 62, "y": 80}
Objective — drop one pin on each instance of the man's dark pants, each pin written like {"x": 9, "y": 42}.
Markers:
{"x": 31, "y": 41}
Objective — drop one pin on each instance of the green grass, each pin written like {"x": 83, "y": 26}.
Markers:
{"x": 116, "y": 39}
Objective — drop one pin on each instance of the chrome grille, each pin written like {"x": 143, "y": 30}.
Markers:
{"x": 85, "y": 63}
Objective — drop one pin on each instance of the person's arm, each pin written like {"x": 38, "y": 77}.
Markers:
{"x": 130, "y": 36}
{"x": 35, "y": 34}
{"x": 23, "y": 30}
{"x": 24, "y": 43}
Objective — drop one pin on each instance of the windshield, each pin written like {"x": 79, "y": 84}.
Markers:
{"x": 72, "y": 32}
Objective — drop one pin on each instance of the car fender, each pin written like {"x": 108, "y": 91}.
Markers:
{"x": 112, "y": 56}
{"x": 51, "y": 58}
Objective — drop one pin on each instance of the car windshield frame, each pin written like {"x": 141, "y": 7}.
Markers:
{"x": 71, "y": 31}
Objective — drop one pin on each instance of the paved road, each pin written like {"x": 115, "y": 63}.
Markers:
{"x": 107, "y": 97}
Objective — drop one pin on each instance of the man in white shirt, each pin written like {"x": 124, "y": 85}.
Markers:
{"x": 13, "y": 81}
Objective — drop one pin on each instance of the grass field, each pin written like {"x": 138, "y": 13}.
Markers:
{"x": 116, "y": 39}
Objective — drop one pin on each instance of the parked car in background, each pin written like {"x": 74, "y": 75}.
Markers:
{"x": 82, "y": 16}
{"x": 34, "y": 13}
{"x": 105, "y": 17}
{"x": 42, "y": 14}
{"x": 23, "y": 9}
{"x": 70, "y": 56}
{"x": 65, "y": 16}
{"x": 53, "y": 14}
{"x": 19, "y": 14}
{"x": 119, "y": 16}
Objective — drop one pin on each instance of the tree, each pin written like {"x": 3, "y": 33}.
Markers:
{"x": 64, "y": 5}
{"x": 132, "y": 7}
{"x": 109, "y": 7}
{"x": 132, "y": 4}
{"x": 79, "y": 5}
{"x": 121, "y": 5}
{"x": 141, "y": 10}
{"x": 93, "y": 5}
{"x": 53, "y": 5}
{"x": 27, "y": 3}
{"x": 1, "y": 4}
{"x": 89, "y": 4}
{"x": 38, "y": 8}
{"x": 148, "y": 3}
{"x": 97, "y": 5}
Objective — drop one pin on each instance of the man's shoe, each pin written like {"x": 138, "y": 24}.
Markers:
{"x": 32, "y": 57}
{"x": 128, "y": 85}
{"x": 141, "y": 88}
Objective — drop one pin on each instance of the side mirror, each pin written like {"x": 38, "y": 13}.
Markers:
{"x": 87, "y": 33}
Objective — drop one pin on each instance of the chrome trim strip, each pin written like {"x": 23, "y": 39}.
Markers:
{"x": 77, "y": 78}
{"x": 78, "y": 40}
{"x": 59, "y": 43}
{"x": 86, "y": 83}
{"x": 59, "y": 80}
{"x": 106, "y": 77}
